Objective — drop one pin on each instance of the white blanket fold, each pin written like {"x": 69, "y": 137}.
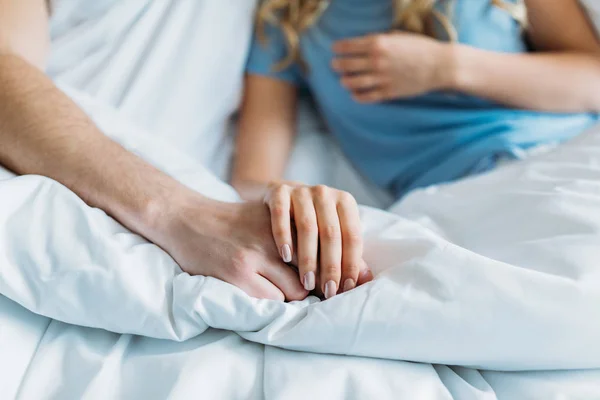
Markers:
{"x": 496, "y": 272}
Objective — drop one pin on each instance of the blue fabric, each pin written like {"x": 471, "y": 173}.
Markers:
{"x": 425, "y": 140}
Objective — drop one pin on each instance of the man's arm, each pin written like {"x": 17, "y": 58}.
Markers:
{"x": 43, "y": 132}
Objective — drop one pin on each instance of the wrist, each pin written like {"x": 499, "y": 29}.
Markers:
{"x": 166, "y": 216}
{"x": 251, "y": 190}
{"x": 450, "y": 73}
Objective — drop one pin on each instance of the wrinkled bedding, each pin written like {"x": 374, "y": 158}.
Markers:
{"x": 498, "y": 272}
{"x": 508, "y": 259}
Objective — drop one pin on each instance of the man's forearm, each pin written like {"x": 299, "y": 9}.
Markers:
{"x": 43, "y": 132}
{"x": 555, "y": 82}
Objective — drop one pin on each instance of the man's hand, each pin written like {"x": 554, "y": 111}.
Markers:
{"x": 231, "y": 242}
{"x": 43, "y": 132}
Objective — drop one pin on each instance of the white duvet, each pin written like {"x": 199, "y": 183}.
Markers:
{"x": 499, "y": 272}
{"x": 496, "y": 272}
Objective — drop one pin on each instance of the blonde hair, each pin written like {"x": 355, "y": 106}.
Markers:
{"x": 294, "y": 17}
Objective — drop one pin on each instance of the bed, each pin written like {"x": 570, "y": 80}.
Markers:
{"x": 485, "y": 289}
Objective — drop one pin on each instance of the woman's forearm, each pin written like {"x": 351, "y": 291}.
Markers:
{"x": 553, "y": 82}
{"x": 265, "y": 135}
{"x": 261, "y": 156}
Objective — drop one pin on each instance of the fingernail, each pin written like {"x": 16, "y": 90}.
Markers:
{"x": 309, "y": 281}
{"x": 286, "y": 253}
{"x": 330, "y": 289}
{"x": 349, "y": 285}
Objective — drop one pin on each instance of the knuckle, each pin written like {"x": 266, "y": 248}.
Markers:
{"x": 280, "y": 191}
{"x": 346, "y": 198}
{"x": 302, "y": 193}
{"x": 352, "y": 269}
{"x": 321, "y": 191}
{"x": 241, "y": 262}
{"x": 278, "y": 211}
{"x": 331, "y": 270}
{"x": 279, "y": 232}
{"x": 353, "y": 238}
{"x": 331, "y": 233}
{"x": 306, "y": 225}
{"x": 379, "y": 44}
{"x": 307, "y": 263}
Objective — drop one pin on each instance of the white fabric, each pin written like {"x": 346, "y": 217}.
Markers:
{"x": 459, "y": 259}
{"x": 45, "y": 359}
{"x": 112, "y": 50}
{"x": 593, "y": 9}
{"x": 461, "y": 278}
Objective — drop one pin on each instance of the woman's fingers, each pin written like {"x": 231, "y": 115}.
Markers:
{"x": 371, "y": 96}
{"x": 330, "y": 239}
{"x": 279, "y": 202}
{"x": 367, "y": 88}
{"x": 352, "y": 243}
{"x": 307, "y": 231}
{"x": 361, "y": 82}
{"x": 352, "y": 65}
{"x": 359, "y": 45}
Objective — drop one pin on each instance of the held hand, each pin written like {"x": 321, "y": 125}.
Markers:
{"x": 329, "y": 242}
{"x": 231, "y": 242}
{"x": 390, "y": 66}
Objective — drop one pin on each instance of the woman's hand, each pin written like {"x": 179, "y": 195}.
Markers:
{"x": 390, "y": 66}
{"x": 329, "y": 241}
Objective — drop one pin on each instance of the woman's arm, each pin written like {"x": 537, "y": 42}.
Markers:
{"x": 563, "y": 77}
{"x": 554, "y": 82}
{"x": 266, "y": 134}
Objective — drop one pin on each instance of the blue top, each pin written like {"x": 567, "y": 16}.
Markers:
{"x": 429, "y": 139}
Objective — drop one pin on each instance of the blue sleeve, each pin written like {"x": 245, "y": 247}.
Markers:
{"x": 264, "y": 56}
